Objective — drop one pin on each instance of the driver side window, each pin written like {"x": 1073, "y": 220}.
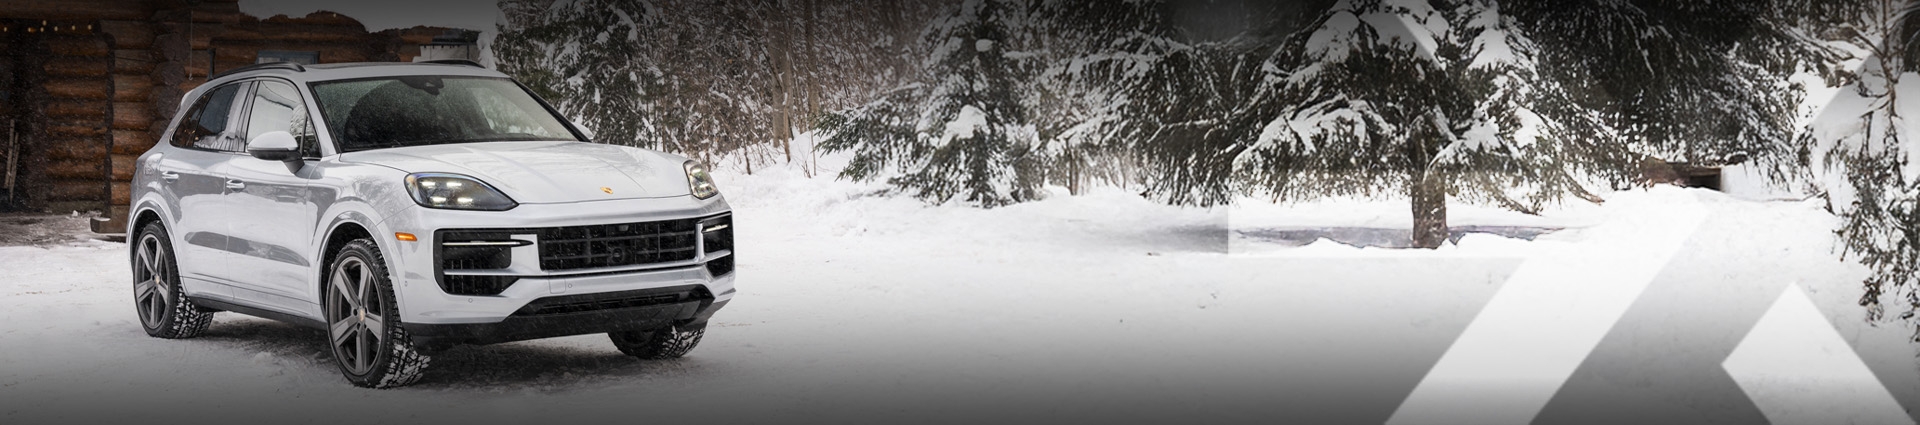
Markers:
{"x": 207, "y": 125}
{"x": 277, "y": 107}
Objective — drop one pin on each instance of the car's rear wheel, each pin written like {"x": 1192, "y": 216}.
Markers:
{"x": 164, "y": 312}
{"x": 363, "y": 322}
{"x": 671, "y": 342}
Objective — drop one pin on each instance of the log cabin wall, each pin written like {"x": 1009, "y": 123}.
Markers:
{"x": 92, "y": 84}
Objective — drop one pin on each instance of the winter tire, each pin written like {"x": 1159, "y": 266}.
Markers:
{"x": 363, "y": 322}
{"x": 164, "y": 311}
{"x": 671, "y": 342}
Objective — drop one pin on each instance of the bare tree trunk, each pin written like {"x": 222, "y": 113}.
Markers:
{"x": 813, "y": 60}
{"x": 1073, "y": 173}
{"x": 1429, "y": 194}
{"x": 897, "y": 26}
{"x": 783, "y": 67}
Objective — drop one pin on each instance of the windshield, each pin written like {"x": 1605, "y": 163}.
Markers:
{"x": 378, "y": 113}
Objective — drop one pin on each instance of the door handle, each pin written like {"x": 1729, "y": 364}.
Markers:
{"x": 169, "y": 176}
{"x": 236, "y": 185}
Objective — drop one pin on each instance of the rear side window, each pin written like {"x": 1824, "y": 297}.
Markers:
{"x": 277, "y": 107}
{"x": 205, "y": 126}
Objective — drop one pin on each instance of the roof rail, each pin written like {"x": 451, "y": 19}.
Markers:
{"x": 464, "y": 62}
{"x": 294, "y": 66}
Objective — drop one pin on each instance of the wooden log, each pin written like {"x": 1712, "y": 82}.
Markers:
{"x": 343, "y": 55}
{"x": 75, "y": 66}
{"x": 94, "y": 190}
{"x": 300, "y": 33}
{"x": 80, "y": 148}
{"x": 122, "y": 192}
{"x": 228, "y": 54}
{"x": 166, "y": 101}
{"x": 202, "y": 35}
{"x": 246, "y": 51}
{"x": 132, "y": 142}
{"x": 77, "y": 46}
{"x": 132, "y": 88}
{"x": 75, "y": 169}
{"x": 123, "y": 166}
{"x": 132, "y": 117}
{"x": 129, "y": 34}
{"x": 77, "y": 88}
{"x": 62, "y": 127}
{"x": 129, "y": 61}
{"x": 79, "y": 110}
{"x": 172, "y": 47}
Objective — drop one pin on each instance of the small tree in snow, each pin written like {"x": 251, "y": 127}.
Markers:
{"x": 961, "y": 130}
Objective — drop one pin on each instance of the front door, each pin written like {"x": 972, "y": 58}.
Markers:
{"x": 272, "y": 214}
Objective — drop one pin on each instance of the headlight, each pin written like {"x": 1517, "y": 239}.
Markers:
{"x": 456, "y": 192}
{"x": 699, "y": 181}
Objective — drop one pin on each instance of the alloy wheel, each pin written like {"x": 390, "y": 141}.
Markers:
{"x": 356, "y": 321}
{"x": 153, "y": 293}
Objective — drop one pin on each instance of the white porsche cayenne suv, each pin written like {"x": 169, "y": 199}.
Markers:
{"x": 406, "y": 208}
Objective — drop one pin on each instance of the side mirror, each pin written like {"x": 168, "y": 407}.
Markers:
{"x": 274, "y": 146}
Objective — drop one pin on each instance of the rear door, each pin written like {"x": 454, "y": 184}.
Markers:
{"x": 191, "y": 185}
{"x": 272, "y": 212}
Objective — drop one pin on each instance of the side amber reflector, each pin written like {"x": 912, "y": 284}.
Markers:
{"x": 404, "y": 236}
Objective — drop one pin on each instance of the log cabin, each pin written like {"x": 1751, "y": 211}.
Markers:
{"x": 86, "y": 86}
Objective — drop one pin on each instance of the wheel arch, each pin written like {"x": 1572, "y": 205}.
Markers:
{"x": 145, "y": 212}
{"x": 345, "y": 229}
{"x": 141, "y": 218}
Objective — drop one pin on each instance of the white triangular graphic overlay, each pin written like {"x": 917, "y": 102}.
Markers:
{"x": 1798, "y": 370}
{"x": 1543, "y": 323}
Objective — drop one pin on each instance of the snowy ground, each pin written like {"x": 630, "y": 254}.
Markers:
{"x": 1100, "y": 308}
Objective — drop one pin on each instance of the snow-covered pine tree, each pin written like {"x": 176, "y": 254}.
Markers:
{"x": 1094, "y": 51}
{"x": 1681, "y": 81}
{"x": 589, "y": 58}
{"x": 1859, "y": 151}
{"x": 1400, "y": 98}
{"x": 960, "y": 131}
{"x": 703, "y": 77}
{"x": 1122, "y": 87}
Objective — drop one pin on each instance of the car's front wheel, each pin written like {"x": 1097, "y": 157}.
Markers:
{"x": 363, "y": 321}
{"x": 164, "y": 312}
{"x": 671, "y": 342}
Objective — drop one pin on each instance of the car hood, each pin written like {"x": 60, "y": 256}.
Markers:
{"x": 545, "y": 172}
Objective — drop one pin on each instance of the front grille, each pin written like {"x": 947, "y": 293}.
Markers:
{"x": 611, "y": 301}
{"x": 615, "y": 245}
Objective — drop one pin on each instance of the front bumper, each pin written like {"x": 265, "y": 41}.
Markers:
{"x": 425, "y": 305}
{"x": 637, "y": 310}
